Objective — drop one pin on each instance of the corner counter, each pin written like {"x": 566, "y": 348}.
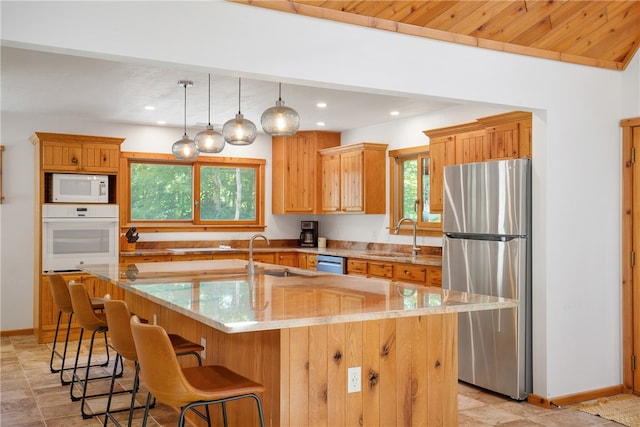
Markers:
{"x": 297, "y": 332}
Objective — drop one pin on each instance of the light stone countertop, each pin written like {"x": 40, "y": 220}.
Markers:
{"x": 220, "y": 294}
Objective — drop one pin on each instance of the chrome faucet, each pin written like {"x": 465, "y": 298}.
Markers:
{"x": 415, "y": 249}
{"x": 250, "y": 267}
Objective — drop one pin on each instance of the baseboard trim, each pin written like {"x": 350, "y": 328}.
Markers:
{"x": 560, "y": 401}
{"x": 17, "y": 332}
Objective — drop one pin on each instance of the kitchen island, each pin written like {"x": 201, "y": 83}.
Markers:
{"x": 298, "y": 333}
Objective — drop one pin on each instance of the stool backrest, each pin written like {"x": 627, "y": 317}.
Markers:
{"x": 82, "y": 309}
{"x": 159, "y": 367}
{"x": 60, "y": 292}
{"x": 118, "y": 319}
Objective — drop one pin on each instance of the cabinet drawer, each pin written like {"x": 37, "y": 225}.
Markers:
{"x": 434, "y": 276}
{"x": 411, "y": 273}
{"x": 357, "y": 266}
{"x": 381, "y": 269}
{"x": 311, "y": 262}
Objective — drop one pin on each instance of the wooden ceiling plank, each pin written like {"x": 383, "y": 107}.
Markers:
{"x": 602, "y": 28}
{"x": 492, "y": 29}
{"x": 617, "y": 37}
{"x": 569, "y": 23}
{"x": 470, "y": 23}
{"x": 455, "y": 14}
{"x": 399, "y": 11}
{"x": 365, "y": 8}
{"x": 536, "y": 17}
{"x": 428, "y": 11}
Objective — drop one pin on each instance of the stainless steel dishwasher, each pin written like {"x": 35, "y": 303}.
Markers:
{"x": 331, "y": 264}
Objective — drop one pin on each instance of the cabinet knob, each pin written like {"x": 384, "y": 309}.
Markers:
{"x": 74, "y": 160}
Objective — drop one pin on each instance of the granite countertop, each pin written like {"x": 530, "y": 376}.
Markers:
{"x": 390, "y": 256}
{"x": 220, "y": 294}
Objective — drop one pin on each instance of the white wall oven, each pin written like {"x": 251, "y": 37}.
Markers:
{"x": 78, "y": 234}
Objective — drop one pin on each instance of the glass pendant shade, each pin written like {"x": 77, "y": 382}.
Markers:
{"x": 280, "y": 120}
{"x": 209, "y": 141}
{"x": 239, "y": 131}
{"x": 185, "y": 148}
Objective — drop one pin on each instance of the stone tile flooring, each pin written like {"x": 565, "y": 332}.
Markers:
{"x": 30, "y": 395}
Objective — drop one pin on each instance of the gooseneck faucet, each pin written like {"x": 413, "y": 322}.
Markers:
{"x": 415, "y": 249}
{"x": 250, "y": 266}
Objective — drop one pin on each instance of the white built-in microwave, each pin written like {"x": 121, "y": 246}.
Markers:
{"x": 79, "y": 188}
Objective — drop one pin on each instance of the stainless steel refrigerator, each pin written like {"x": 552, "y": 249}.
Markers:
{"x": 487, "y": 250}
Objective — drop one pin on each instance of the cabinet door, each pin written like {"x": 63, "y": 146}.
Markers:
{"x": 331, "y": 183}
{"x": 503, "y": 141}
{"x": 442, "y": 153}
{"x": 411, "y": 273}
{"x": 100, "y": 157}
{"x": 470, "y": 147}
{"x": 299, "y": 173}
{"x": 290, "y": 259}
{"x": 434, "y": 276}
{"x": 357, "y": 266}
{"x": 61, "y": 156}
{"x": 380, "y": 269}
{"x": 352, "y": 165}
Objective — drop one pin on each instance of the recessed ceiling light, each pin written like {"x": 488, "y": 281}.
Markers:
{"x": 149, "y": 107}
{"x": 321, "y": 105}
{"x": 161, "y": 122}
{"x": 395, "y": 113}
{"x": 321, "y": 124}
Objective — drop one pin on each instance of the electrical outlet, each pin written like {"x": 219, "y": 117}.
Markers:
{"x": 354, "y": 379}
{"x": 203, "y": 342}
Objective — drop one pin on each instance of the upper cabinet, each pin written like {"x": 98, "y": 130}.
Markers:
{"x": 353, "y": 178}
{"x": 78, "y": 153}
{"x": 296, "y": 171}
{"x": 503, "y": 136}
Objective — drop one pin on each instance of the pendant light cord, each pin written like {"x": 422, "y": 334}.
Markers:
{"x": 185, "y": 109}
{"x": 239, "y": 90}
{"x": 279, "y": 91}
{"x": 209, "y": 99}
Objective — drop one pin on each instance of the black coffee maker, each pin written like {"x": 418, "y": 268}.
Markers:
{"x": 309, "y": 234}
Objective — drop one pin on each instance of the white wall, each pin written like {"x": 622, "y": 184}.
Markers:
{"x": 576, "y": 183}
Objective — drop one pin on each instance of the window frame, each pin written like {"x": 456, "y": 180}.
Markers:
{"x": 127, "y": 158}
{"x": 396, "y": 157}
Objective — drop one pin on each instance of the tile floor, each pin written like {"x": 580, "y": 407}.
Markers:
{"x": 30, "y": 395}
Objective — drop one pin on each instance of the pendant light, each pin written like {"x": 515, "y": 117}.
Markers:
{"x": 239, "y": 131}
{"x": 209, "y": 140}
{"x": 280, "y": 120}
{"x": 185, "y": 148}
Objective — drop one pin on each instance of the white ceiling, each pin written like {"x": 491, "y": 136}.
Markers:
{"x": 94, "y": 89}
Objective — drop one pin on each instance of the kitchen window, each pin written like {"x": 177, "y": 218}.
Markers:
{"x": 409, "y": 188}
{"x": 208, "y": 193}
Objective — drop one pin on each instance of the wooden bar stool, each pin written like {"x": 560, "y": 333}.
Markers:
{"x": 186, "y": 388}
{"x": 89, "y": 320}
{"x": 118, "y": 320}
{"x": 62, "y": 300}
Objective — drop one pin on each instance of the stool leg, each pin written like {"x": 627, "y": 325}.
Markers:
{"x": 55, "y": 340}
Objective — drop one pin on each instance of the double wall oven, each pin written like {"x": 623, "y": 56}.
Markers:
{"x": 78, "y": 234}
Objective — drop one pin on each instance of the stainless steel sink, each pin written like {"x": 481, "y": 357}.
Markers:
{"x": 280, "y": 273}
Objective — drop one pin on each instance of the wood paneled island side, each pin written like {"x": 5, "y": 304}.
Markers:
{"x": 297, "y": 332}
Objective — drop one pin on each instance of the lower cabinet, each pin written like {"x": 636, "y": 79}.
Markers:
{"x": 428, "y": 275}
{"x": 307, "y": 261}
{"x": 289, "y": 259}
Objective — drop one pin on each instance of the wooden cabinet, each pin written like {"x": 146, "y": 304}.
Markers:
{"x": 503, "y": 136}
{"x": 290, "y": 259}
{"x": 442, "y": 153}
{"x": 380, "y": 269}
{"x": 296, "y": 171}
{"x": 353, "y": 179}
{"x": 357, "y": 266}
{"x": 307, "y": 261}
{"x": 79, "y": 153}
{"x": 411, "y": 273}
{"x": 69, "y": 154}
